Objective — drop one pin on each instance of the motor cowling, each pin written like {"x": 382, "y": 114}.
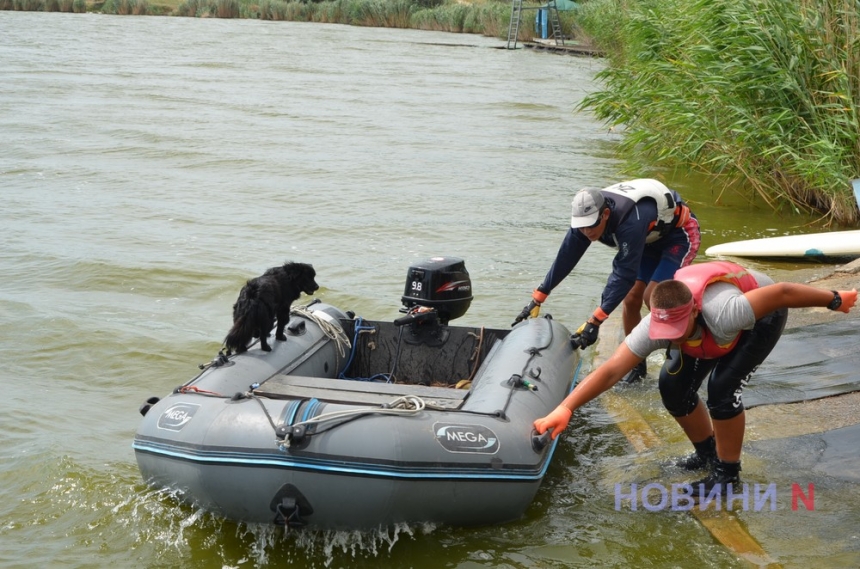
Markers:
{"x": 440, "y": 283}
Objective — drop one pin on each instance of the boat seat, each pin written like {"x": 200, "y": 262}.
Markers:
{"x": 362, "y": 392}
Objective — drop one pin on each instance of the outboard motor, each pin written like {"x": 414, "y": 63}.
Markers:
{"x": 439, "y": 283}
{"x": 437, "y": 290}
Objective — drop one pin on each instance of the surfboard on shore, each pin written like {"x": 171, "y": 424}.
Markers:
{"x": 831, "y": 244}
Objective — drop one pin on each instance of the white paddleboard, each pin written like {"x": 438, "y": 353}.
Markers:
{"x": 833, "y": 244}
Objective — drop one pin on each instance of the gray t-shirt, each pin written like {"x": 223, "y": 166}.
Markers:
{"x": 724, "y": 308}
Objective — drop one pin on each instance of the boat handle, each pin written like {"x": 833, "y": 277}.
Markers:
{"x": 416, "y": 317}
{"x": 539, "y": 442}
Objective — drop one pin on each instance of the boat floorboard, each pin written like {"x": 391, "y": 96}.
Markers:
{"x": 353, "y": 391}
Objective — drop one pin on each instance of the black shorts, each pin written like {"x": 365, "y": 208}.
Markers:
{"x": 682, "y": 375}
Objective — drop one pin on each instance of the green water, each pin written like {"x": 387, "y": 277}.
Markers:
{"x": 150, "y": 165}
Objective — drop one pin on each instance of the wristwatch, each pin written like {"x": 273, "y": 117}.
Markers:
{"x": 836, "y": 302}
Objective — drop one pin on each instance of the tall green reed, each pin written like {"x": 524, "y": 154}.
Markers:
{"x": 126, "y": 7}
{"x": 762, "y": 90}
{"x": 28, "y": 5}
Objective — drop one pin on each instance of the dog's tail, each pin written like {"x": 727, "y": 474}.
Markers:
{"x": 238, "y": 337}
{"x": 250, "y": 315}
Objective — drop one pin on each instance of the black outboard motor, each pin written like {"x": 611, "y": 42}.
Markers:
{"x": 438, "y": 283}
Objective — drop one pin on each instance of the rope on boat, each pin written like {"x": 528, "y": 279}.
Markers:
{"x": 402, "y": 406}
{"x": 333, "y": 331}
{"x": 466, "y": 382}
{"x": 516, "y": 380}
{"x": 405, "y": 405}
{"x": 195, "y": 389}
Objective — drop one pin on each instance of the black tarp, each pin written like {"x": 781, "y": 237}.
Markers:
{"x": 809, "y": 362}
{"x": 831, "y": 453}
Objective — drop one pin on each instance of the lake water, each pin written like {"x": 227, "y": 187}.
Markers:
{"x": 150, "y": 165}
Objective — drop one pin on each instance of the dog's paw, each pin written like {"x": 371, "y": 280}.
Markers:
{"x": 281, "y": 337}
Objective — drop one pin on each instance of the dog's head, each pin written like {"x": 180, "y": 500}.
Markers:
{"x": 303, "y": 275}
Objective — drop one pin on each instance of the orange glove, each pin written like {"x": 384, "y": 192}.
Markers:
{"x": 849, "y": 298}
{"x": 557, "y": 421}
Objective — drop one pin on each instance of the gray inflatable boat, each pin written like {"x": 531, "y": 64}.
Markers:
{"x": 356, "y": 424}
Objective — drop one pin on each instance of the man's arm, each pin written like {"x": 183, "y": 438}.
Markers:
{"x": 569, "y": 253}
{"x": 595, "y": 383}
{"x": 766, "y": 299}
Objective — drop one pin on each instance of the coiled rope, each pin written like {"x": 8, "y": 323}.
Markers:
{"x": 333, "y": 331}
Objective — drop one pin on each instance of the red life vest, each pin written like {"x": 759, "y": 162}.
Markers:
{"x": 697, "y": 278}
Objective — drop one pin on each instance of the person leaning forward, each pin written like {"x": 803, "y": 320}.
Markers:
{"x": 718, "y": 320}
{"x": 655, "y": 234}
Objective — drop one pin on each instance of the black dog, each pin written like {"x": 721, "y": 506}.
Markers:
{"x": 265, "y": 298}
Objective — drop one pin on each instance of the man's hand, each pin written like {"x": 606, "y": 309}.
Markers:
{"x": 532, "y": 310}
{"x": 585, "y": 335}
{"x": 557, "y": 421}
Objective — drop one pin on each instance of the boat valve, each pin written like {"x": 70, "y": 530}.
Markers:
{"x": 519, "y": 381}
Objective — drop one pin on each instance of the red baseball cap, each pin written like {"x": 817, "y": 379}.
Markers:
{"x": 669, "y": 323}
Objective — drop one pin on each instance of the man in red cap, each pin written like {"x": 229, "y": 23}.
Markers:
{"x": 719, "y": 321}
{"x": 655, "y": 234}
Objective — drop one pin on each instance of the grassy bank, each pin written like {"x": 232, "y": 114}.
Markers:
{"x": 762, "y": 90}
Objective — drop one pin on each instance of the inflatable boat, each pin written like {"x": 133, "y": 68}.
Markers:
{"x": 358, "y": 424}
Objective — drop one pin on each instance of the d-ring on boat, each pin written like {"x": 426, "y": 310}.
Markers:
{"x": 357, "y": 424}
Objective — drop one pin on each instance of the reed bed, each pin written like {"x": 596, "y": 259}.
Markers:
{"x": 25, "y": 5}
{"x": 490, "y": 18}
{"x": 126, "y": 7}
{"x": 766, "y": 91}
{"x": 487, "y": 17}
{"x": 75, "y": 6}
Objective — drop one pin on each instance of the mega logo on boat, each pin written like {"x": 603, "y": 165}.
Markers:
{"x": 177, "y": 416}
{"x": 466, "y": 438}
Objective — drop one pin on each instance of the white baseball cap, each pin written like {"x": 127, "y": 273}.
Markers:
{"x": 586, "y": 207}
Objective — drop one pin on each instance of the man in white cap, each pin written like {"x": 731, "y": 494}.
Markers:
{"x": 719, "y": 321}
{"x": 655, "y": 234}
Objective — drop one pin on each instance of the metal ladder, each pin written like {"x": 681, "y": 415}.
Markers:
{"x": 555, "y": 22}
{"x": 514, "y": 26}
{"x": 516, "y": 17}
